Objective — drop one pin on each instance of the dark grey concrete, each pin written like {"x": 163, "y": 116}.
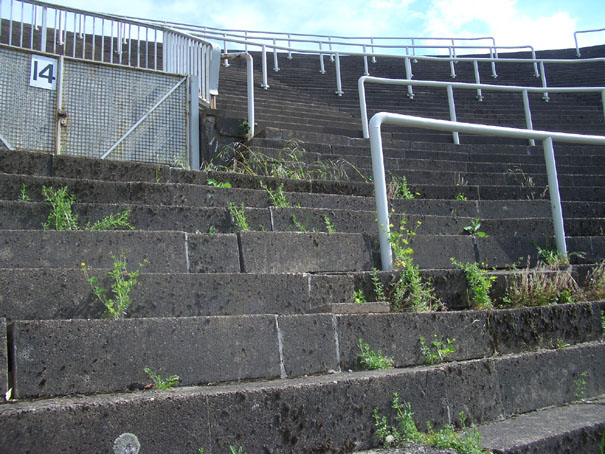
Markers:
{"x": 398, "y": 335}
{"x": 353, "y": 308}
{"x": 433, "y": 251}
{"x": 49, "y": 357}
{"x": 3, "y": 360}
{"x": 308, "y": 344}
{"x": 575, "y": 428}
{"x": 165, "y": 251}
{"x": 330, "y": 289}
{"x": 216, "y": 253}
{"x": 25, "y": 162}
{"x": 281, "y": 252}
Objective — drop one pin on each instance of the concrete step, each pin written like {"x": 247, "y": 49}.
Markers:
{"x": 303, "y": 414}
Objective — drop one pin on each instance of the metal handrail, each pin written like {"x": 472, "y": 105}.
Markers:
{"x": 575, "y": 37}
{"x": 547, "y": 138}
{"x": 479, "y": 87}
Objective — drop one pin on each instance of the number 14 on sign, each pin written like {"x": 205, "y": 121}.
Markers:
{"x": 43, "y": 72}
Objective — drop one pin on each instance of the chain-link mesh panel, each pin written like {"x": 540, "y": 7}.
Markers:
{"x": 27, "y": 114}
{"x": 103, "y": 103}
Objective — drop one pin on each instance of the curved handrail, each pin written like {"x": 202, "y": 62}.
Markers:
{"x": 547, "y": 138}
{"x": 575, "y": 37}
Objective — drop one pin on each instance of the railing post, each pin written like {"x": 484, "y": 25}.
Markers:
{"x": 454, "y": 48}
{"x": 264, "y": 85}
{"x": 330, "y": 46}
{"x": 363, "y": 107}
{"x": 452, "y": 70}
{"x": 452, "y": 106}
{"x": 275, "y": 63}
{"x": 409, "y": 75}
{"x": 289, "y": 45}
{"x": 194, "y": 122}
{"x": 380, "y": 190}
{"x": 339, "y": 91}
{"x": 533, "y": 56}
{"x": 225, "y": 51}
{"x": 555, "y": 197}
{"x": 545, "y": 96}
{"x": 250, "y": 78}
{"x": 414, "y": 49}
{"x": 373, "y": 56}
{"x": 528, "y": 122}
{"x": 322, "y": 68}
{"x": 477, "y": 80}
{"x": 44, "y": 28}
{"x": 365, "y": 62}
{"x": 491, "y": 55}
{"x": 575, "y": 38}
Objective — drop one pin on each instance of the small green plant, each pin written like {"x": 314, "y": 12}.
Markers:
{"x": 201, "y": 451}
{"x": 602, "y": 444}
{"x": 479, "y": 284}
{"x": 300, "y": 227}
{"x": 371, "y": 360}
{"x": 239, "y": 217}
{"x": 580, "y": 385}
{"x": 473, "y": 229}
{"x": 398, "y": 189}
{"x": 123, "y": 283}
{"x": 409, "y": 292}
{"x": 437, "y": 351}
{"x": 211, "y": 229}
{"x": 400, "y": 242}
{"x": 360, "y": 298}
{"x": 405, "y": 432}
{"x": 244, "y": 128}
{"x": 23, "y": 197}
{"x": 119, "y": 221}
{"x": 158, "y": 174}
{"x": 329, "y": 225}
{"x": 235, "y": 450}
{"x": 162, "y": 383}
{"x": 552, "y": 257}
{"x": 594, "y": 284}
{"x": 61, "y": 216}
{"x": 378, "y": 286}
{"x": 218, "y": 184}
{"x": 560, "y": 343}
{"x": 460, "y": 196}
{"x": 181, "y": 163}
{"x": 277, "y": 198}
{"x": 603, "y": 323}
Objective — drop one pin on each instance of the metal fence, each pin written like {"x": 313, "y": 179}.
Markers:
{"x": 94, "y": 109}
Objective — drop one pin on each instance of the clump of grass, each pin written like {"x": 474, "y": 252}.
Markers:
{"x": 479, "y": 284}
{"x": 329, "y": 225}
{"x": 162, "y": 383}
{"x": 118, "y": 221}
{"x": 371, "y": 360}
{"x": 398, "y": 189}
{"x": 378, "y": 286}
{"x": 360, "y": 297}
{"x": 409, "y": 292}
{"x": 23, "y": 196}
{"x": 405, "y": 432}
{"x": 540, "y": 286}
{"x": 277, "y": 198}
{"x": 218, "y": 184}
{"x": 594, "y": 285}
{"x": 552, "y": 257}
{"x": 123, "y": 282}
{"x": 437, "y": 351}
{"x": 61, "y": 216}
{"x": 238, "y": 215}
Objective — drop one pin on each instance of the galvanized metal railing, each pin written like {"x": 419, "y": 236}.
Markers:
{"x": 111, "y": 39}
{"x": 546, "y": 137}
{"x": 466, "y": 86}
{"x": 575, "y": 37}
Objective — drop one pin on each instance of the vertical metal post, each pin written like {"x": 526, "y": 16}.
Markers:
{"x": 380, "y": 190}
{"x": 452, "y": 106}
{"x": 225, "y": 51}
{"x": 322, "y": 68}
{"x": 452, "y": 69}
{"x": 491, "y": 55}
{"x": 373, "y": 56}
{"x": 44, "y": 29}
{"x": 363, "y": 109}
{"x": 83, "y": 35}
{"x": 339, "y": 91}
{"x": 289, "y": 45}
{"x": 413, "y": 48}
{"x": 454, "y": 48}
{"x": 528, "y": 121}
{"x": 275, "y": 63}
{"x": 330, "y": 46}
{"x": 129, "y": 43}
{"x": 264, "y": 84}
{"x": 533, "y": 56}
{"x": 250, "y": 87}
{"x": 365, "y": 62}
{"x": 477, "y": 80}
{"x": 10, "y": 25}
{"x": 409, "y": 75}
{"x": 545, "y": 96}
{"x": 246, "y": 39}
{"x": 138, "y": 46}
{"x": 73, "y": 51}
{"x": 0, "y": 18}
{"x": 111, "y": 43}
{"x": 60, "y": 82}
{"x": 21, "y": 25}
{"x": 555, "y": 197}
{"x": 194, "y": 123}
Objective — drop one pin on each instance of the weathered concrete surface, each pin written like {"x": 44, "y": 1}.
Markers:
{"x": 433, "y": 251}
{"x": 49, "y": 360}
{"x": 308, "y": 344}
{"x": 25, "y": 162}
{"x": 66, "y": 294}
{"x": 165, "y": 251}
{"x": 398, "y": 335}
{"x": 575, "y": 428}
{"x": 216, "y": 253}
{"x": 280, "y": 252}
{"x": 354, "y": 308}
{"x": 3, "y": 360}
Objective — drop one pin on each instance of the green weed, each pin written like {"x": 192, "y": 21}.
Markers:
{"x": 580, "y": 385}
{"x": 61, "y": 216}
{"x": 552, "y": 257}
{"x": 162, "y": 383}
{"x": 235, "y": 450}
{"x": 238, "y": 216}
{"x": 277, "y": 198}
{"x": 409, "y": 292}
{"x": 329, "y": 225}
{"x": 378, "y": 286}
{"x": 398, "y": 189}
{"x": 119, "y": 221}
{"x": 473, "y": 229}
{"x": 371, "y": 360}
{"x": 479, "y": 284}
{"x": 594, "y": 284}
{"x": 437, "y": 351}
{"x": 360, "y": 298}
{"x": 122, "y": 283}
{"x": 23, "y": 197}
{"x": 218, "y": 184}
{"x": 460, "y": 196}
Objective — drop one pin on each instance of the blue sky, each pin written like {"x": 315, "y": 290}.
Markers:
{"x": 542, "y": 23}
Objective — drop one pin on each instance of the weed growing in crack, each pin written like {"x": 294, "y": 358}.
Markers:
{"x": 378, "y": 286}
{"x": 594, "y": 285}
{"x": 552, "y": 257}
{"x": 461, "y": 196}
{"x": 238, "y": 216}
{"x": 119, "y": 221}
{"x": 360, "y": 298}
{"x": 437, "y": 351}
{"x": 405, "y": 432}
{"x": 580, "y": 385}
{"x": 479, "y": 284}
{"x": 218, "y": 184}
{"x": 398, "y": 189}
{"x": 61, "y": 216}
{"x": 473, "y": 229}
{"x": 277, "y": 198}
{"x": 162, "y": 383}
{"x": 23, "y": 196}
{"x": 123, "y": 283}
{"x": 300, "y": 227}
{"x": 409, "y": 292}
{"x": 329, "y": 225}
{"x": 371, "y": 360}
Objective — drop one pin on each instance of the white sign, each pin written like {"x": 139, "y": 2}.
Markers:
{"x": 43, "y": 73}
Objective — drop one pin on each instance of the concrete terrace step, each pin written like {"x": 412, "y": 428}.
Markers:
{"x": 304, "y": 414}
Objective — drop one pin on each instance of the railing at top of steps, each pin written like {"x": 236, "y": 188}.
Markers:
{"x": 547, "y": 138}
{"x": 127, "y": 41}
{"x": 575, "y": 38}
{"x": 479, "y": 87}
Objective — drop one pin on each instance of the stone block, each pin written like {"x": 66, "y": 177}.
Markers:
{"x": 216, "y": 253}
